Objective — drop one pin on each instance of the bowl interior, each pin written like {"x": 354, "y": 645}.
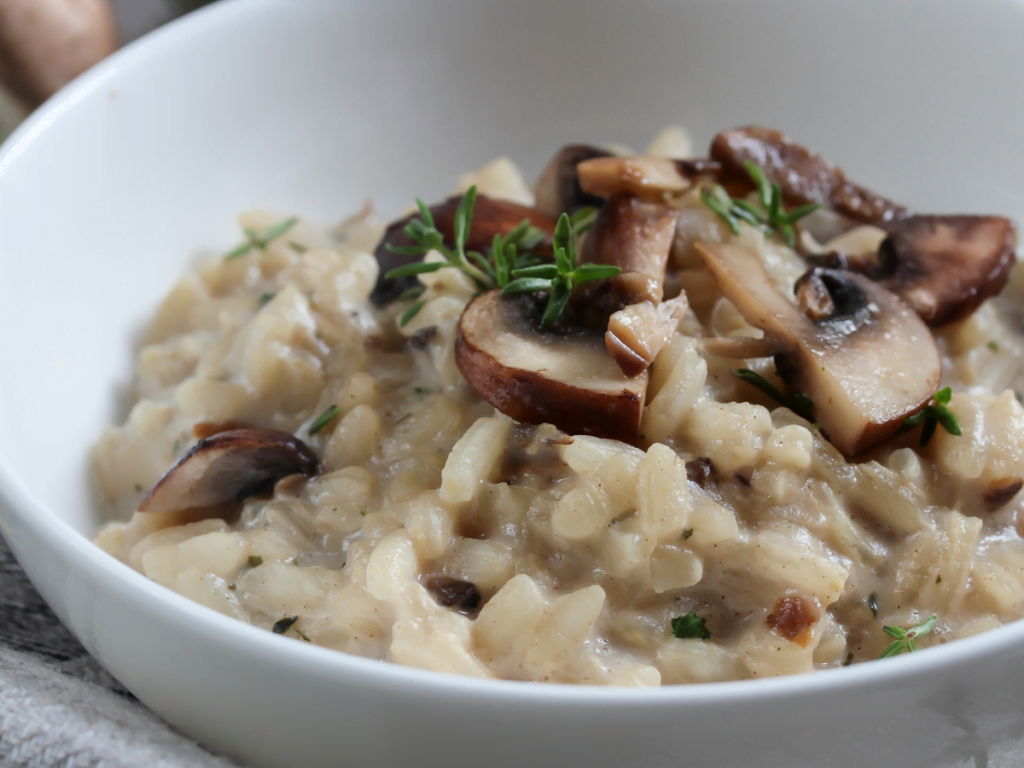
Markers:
{"x": 115, "y": 187}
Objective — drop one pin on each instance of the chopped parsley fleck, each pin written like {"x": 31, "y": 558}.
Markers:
{"x": 690, "y": 626}
{"x": 283, "y": 625}
{"x": 687, "y": 533}
{"x": 265, "y": 298}
{"x": 849, "y": 659}
{"x": 325, "y": 418}
{"x": 873, "y": 604}
{"x": 254, "y": 561}
{"x": 993, "y": 345}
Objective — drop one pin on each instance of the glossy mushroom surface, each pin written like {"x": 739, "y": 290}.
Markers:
{"x": 566, "y": 379}
{"x": 230, "y": 466}
{"x": 944, "y": 267}
{"x": 867, "y": 364}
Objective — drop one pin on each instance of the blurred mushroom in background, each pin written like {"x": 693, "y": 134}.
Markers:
{"x": 44, "y": 44}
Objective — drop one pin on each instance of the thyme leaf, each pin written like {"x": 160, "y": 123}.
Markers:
{"x": 904, "y": 638}
{"x": 325, "y": 418}
{"x": 260, "y": 240}
{"x": 769, "y": 215}
{"x": 798, "y": 403}
{"x": 933, "y": 415}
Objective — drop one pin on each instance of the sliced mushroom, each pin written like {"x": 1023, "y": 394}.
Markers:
{"x": 803, "y": 175}
{"x": 866, "y": 366}
{"x": 558, "y": 188}
{"x": 490, "y": 217}
{"x": 632, "y": 234}
{"x": 639, "y": 332}
{"x": 944, "y": 267}
{"x": 230, "y": 466}
{"x": 650, "y": 178}
{"x": 566, "y": 379}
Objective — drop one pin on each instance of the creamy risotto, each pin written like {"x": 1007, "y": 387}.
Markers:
{"x": 659, "y": 419}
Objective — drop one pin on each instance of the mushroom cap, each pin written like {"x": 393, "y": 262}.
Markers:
{"x": 650, "y": 178}
{"x": 558, "y": 188}
{"x": 803, "y": 176}
{"x": 867, "y": 365}
{"x": 490, "y": 217}
{"x": 230, "y": 466}
{"x": 944, "y": 267}
{"x": 536, "y": 377}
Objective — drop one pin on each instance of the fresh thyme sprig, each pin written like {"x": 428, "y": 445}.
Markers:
{"x": 770, "y": 215}
{"x": 512, "y": 265}
{"x": 261, "y": 240}
{"x": 933, "y": 414}
{"x": 508, "y": 252}
{"x": 905, "y": 637}
{"x": 799, "y": 404}
{"x": 565, "y": 274}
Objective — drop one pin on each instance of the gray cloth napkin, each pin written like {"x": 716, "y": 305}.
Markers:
{"x": 59, "y": 708}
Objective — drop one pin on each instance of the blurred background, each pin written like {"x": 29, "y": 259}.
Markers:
{"x": 45, "y": 43}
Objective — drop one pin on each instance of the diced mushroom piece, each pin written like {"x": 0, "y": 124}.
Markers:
{"x": 230, "y": 466}
{"x": 490, "y": 217}
{"x": 639, "y": 332}
{"x": 632, "y": 234}
{"x": 866, "y": 366}
{"x": 566, "y": 379}
{"x": 803, "y": 176}
{"x": 650, "y": 178}
{"x": 558, "y": 188}
{"x": 944, "y": 267}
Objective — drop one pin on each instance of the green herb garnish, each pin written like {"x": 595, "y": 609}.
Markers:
{"x": 690, "y": 626}
{"x": 324, "y": 419}
{"x": 687, "y": 533}
{"x": 905, "y": 637}
{"x": 565, "y": 274}
{"x": 259, "y": 240}
{"x": 265, "y": 298}
{"x": 993, "y": 345}
{"x": 796, "y": 402}
{"x": 283, "y": 625}
{"x": 849, "y": 659}
{"x": 254, "y": 561}
{"x": 933, "y": 414}
{"x": 770, "y": 216}
{"x": 873, "y": 604}
{"x": 511, "y": 266}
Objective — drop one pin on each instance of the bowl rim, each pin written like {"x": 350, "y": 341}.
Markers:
{"x": 17, "y": 500}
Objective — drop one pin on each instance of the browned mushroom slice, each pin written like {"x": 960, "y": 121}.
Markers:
{"x": 866, "y": 365}
{"x": 944, "y": 267}
{"x": 558, "y": 188}
{"x": 490, "y": 217}
{"x": 650, "y": 178}
{"x": 632, "y": 234}
{"x": 566, "y": 379}
{"x": 230, "y": 466}
{"x": 803, "y": 175}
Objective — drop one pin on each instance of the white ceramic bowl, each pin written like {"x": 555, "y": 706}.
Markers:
{"x": 110, "y": 190}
